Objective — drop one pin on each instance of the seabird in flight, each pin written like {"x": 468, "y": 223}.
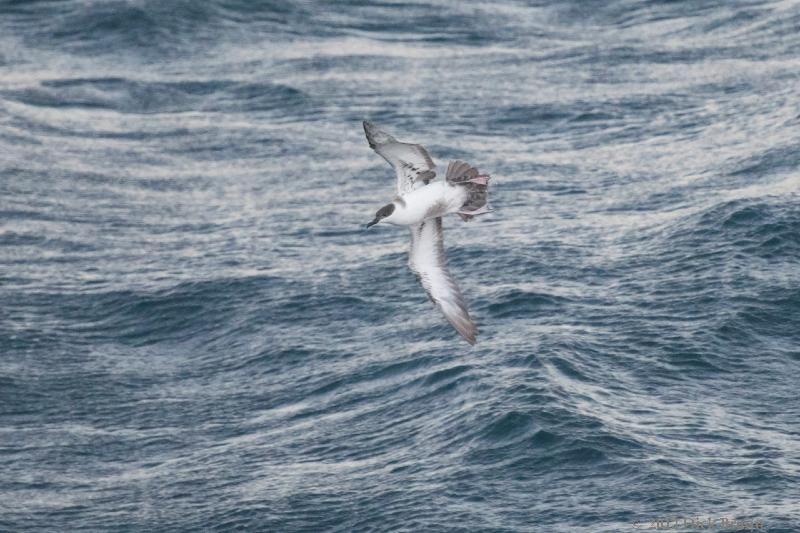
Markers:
{"x": 420, "y": 204}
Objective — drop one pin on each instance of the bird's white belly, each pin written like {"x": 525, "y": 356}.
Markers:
{"x": 430, "y": 201}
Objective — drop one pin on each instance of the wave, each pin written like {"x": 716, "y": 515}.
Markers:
{"x": 132, "y": 96}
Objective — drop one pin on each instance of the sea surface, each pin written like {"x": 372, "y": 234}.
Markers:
{"x": 197, "y": 333}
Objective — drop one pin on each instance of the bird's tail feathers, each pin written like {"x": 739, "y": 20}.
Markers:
{"x": 460, "y": 172}
{"x": 464, "y": 175}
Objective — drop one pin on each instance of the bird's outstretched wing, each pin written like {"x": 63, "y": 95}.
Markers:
{"x": 428, "y": 261}
{"x": 411, "y": 162}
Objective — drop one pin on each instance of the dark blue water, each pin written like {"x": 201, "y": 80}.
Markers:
{"x": 197, "y": 334}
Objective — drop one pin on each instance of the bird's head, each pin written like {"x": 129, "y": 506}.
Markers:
{"x": 382, "y": 213}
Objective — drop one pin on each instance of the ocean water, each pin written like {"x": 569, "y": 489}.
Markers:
{"x": 197, "y": 334}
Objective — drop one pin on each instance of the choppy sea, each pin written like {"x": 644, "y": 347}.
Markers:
{"x": 197, "y": 334}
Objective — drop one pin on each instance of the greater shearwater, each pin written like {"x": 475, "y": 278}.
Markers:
{"x": 421, "y": 205}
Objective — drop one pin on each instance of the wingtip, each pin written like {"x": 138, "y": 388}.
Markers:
{"x": 471, "y": 335}
{"x": 370, "y": 128}
{"x": 376, "y": 136}
{"x": 370, "y": 131}
{"x": 467, "y": 331}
